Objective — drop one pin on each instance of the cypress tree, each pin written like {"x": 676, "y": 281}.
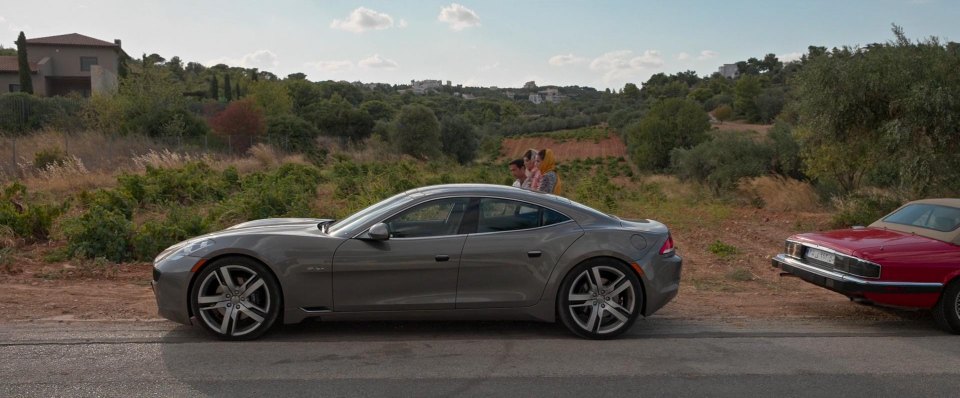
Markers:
{"x": 253, "y": 74}
{"x": 236, "y": 91}
{"x": 214, "y": 89}
{"x": 227, "y": 89}
{"x": 26, "y": 83}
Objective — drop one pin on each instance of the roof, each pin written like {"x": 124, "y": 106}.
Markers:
{"x": 944, "y": 236}
{"x": 9, "y": 63}
{"x": 71, "y": 39}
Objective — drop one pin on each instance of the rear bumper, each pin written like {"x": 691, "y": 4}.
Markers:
{"x": 847, "y": 284}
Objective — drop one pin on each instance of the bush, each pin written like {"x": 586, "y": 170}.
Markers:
{"x": 193, "y": 183}
{"x": 723, "y": 250}
{"x": 27, "y": 221}
{"x": 723, "y": 161}
{"x": 116, "y": 201}
{"x": 288, "y": 191}
{"x": 862, "y": 209}
{"x": 99, "y": 232}
{"x": 49, "y": 157}
{"x": 242, "y": 120}
{"x": 291, "y": 133}
{"x": 154, "y": 236}
{"x": 671, "y": 123}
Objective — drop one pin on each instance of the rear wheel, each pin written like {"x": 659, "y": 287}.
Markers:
{"x": 947, "y": 310}
{"x": 236, "y": 298}
{"x": 600, "y": 299}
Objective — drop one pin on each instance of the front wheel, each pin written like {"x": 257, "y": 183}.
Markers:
{"x": 236, "y": 298}
{"x": 947, "y": 310}
{"x": 600, "y": 299}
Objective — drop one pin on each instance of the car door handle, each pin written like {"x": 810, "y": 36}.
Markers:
{"x": 534, "y": 254}
{"x": 442, "y": 257}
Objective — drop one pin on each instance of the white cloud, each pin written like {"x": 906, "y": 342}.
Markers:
{"x": 363, "y": 19}
{"x": 622, "y": 64}
{"x": 377, "y": 62}
{"x": 683, "y": 56}
{"x": 261, "y": 59}
{"x": 649, "y": 59}
{"x": 331, "y": 66}
{"x": 790, "y": 57}
{"x": 568, "y": 59}
{"x": 402, "y": 23}
{"x": 458, "y": 17}
{"x": 707, "y": 54}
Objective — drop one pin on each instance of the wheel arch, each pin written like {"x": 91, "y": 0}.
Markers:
{"x": 196, "y": 273}
{"x": 601, "y": 257}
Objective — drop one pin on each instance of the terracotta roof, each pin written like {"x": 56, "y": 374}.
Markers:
{"x": 10, "y": 64}
{"x": 72, "y": 39}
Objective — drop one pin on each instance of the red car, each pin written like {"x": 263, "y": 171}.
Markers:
{"x": 908, "y": 259}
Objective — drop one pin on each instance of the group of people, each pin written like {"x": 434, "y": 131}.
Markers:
{"x": 536, "y": 171}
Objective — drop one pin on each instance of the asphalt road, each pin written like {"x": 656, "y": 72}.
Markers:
{"x": 658, "y": 357}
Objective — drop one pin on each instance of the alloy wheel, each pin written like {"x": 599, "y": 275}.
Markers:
{"x": 601, "y": 299}
{"x": 233, "y": 300}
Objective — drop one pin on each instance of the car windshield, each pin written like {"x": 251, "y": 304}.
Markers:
{"x": 375, "y": 210}
{"x": 929, "y": 216}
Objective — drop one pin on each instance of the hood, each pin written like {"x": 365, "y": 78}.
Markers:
{"x": 274, "y": 222}
{"x": 862, "y": 241}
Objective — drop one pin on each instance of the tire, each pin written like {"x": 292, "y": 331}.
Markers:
{"x": 235, "y": 298}
{"x": 604, "y": 310}
{"x": 947, "y": 311}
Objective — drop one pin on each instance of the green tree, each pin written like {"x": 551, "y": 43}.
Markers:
{"x": 417, "y": 132}
{"x": 26, "y": 81}
{"x": 291, "y": 132}
{"x": 378, "y": 109}
{"x": 745, "y": 94}
{"x": 888, "y": 104}
{"x": 227, "y": 88}
{"x": 723, "y": 113}
{"x": 459, "y": 138}
{"x": 671, "y": 123}
{"x": 272, "y": 97}
{"x": 214, "y": 88}
{"x": 336, "y": 117}
{"x": 631, "y": 91}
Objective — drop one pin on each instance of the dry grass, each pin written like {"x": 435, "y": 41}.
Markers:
{"x": 165, "y": 159}
{"x": 780, "y": 194}
{"x": 672, "y": 188}
{"x": 65, "y": 178}
{"x": 97, "y": 151}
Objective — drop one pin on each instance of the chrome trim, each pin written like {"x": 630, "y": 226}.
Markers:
{"x": 827, "y": 249}
{"x": 837, "y": 276}
{"x": 470, "y": 197}
{"x": 309, "y": 311}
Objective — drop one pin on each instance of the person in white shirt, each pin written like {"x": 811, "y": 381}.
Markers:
{"x": 516, "y": 169}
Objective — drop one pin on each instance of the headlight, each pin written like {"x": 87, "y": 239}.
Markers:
{"x": 191, "y": 248}
{"x": 794, "y": 249}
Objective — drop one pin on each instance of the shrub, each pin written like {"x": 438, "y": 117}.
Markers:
{"x": 862, "y": 209}
{"x": 49, "y": 157}
{"x": 99, "y": 232}
{"x": 671, "y": 123}
{"x": 287, "y": 191}
{"x": 193, "y": 183}
{"x": 154, "y": 236}
{"x": 27, "y": 221}
{"x": 723, "y": 250}
{"x": 292, "y": 133}
{"x": 242, "y": 120}
{"x": 723, "y": 161}
{"x": 112, "y": 200}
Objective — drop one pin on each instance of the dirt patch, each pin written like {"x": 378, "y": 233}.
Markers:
{"x": 740, "y": 126}
{"x": 513, "y": 148}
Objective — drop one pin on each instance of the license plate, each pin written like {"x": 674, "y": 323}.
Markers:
{"x": 820, "y": 255}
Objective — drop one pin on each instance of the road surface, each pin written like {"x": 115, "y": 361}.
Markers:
{"x": 658, "y": 357}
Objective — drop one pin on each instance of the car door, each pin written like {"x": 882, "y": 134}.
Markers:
{"x": 509, "y": 259}
{"x": 415, "y": 269}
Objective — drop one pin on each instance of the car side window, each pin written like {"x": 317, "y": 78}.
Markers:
{"x": 498, "y": 215}
{"x": 435, "y": 218}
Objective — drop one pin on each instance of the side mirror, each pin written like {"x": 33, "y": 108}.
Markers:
{"x": 379, "y": 231}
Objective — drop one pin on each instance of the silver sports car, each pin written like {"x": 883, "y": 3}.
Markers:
{"x": 440, "y": 252}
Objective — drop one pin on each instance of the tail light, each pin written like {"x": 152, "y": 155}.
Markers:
{"x": 667, "y": 247}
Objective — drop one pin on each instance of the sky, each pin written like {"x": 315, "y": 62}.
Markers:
{"x": 504, "y": 43}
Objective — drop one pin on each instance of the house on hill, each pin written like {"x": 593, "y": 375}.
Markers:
{"x": 63, "y": 64}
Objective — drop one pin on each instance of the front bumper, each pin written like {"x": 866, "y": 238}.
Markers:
{"x": 847, "y": 284}
{"x": 171, "y": 285}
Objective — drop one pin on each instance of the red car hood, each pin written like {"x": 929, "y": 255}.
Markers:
{"x": 867, "y": 242}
